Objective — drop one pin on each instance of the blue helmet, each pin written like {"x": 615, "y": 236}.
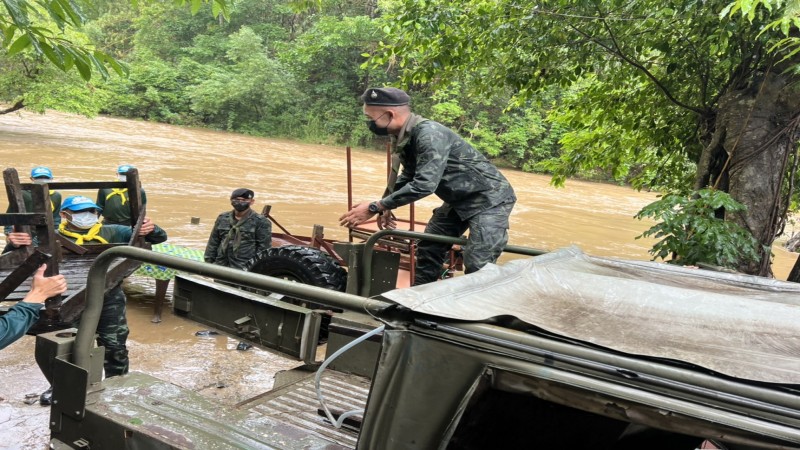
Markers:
{"x": 78, "y": 203}
{"x": 41, "y": 172}
{"x": 123, "y": 169}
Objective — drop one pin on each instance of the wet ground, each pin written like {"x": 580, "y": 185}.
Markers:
{"x": 209, "y": 365}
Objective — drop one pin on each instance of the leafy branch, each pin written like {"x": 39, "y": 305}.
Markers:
{"x": 689, "y": 231}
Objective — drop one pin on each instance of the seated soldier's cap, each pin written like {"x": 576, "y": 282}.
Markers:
{"x": 385, "y": 97}
{"x": 125, "y": 168}
{"x": 41, "y": 172}
{"x": 243, "y": 193}
{"x": 78, "y": 203}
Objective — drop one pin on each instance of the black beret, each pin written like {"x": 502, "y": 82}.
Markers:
{"x": 242, "y": 192}
{"x": 385, "y": 97}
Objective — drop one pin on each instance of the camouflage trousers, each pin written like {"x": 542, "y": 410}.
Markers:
{"x": 488, "y": 235}
{"x": 112, "y": 332}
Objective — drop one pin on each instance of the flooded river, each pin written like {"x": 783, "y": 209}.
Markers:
{"x": 191, "y": 172}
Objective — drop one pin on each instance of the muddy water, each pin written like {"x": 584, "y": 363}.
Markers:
{"x": 190, "y": 173}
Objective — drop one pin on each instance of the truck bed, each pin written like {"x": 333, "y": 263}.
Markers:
{"x": 147, "y": 410}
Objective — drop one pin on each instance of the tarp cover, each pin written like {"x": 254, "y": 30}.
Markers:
{"x": 743, "y": 326}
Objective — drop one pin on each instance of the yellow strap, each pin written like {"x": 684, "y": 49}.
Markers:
{"x": 120, "y": 192}
{"x": 52, "y": 205}
{"x": 79, "y": 238}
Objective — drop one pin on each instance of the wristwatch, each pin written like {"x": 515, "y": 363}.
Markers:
{"x": 374, "y": 208}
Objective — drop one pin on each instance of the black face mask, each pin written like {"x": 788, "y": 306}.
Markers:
{"x": 240, "y": 206}
{"x": 377, "y": 130}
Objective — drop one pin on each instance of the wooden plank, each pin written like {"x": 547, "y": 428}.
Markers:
{"x": 45, "y": 234}
{"x": 69, "y": 185}
{"x": 137, "y": 209}
{"x": 71, "y": 246}
{"x": 22, "y": 273}
{"x": 16, "y": 202}
{"x": 13, "y": 259}
{"x": 23, "y": 219}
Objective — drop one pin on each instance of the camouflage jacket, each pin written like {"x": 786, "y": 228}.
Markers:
{"x": 114, "y": 212}
{"x": 233, "y": 243}
{"x": 437, "y": 161}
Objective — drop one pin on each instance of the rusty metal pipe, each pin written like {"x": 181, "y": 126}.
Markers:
{"x": 349, "y": 188}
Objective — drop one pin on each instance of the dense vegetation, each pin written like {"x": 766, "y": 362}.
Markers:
{"x": 676, "y": 95}
{"x": 268, "y": 69}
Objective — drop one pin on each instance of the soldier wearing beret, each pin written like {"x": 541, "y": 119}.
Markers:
{"x": 435, "y": 160}
{"x": 240, "y": 234}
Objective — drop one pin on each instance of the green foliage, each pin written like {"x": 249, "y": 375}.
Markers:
{"x": 40, "y": 26}
{"x": 248, "y": 90}
{"x": 648, "y": 73}
{"x": 786, "y": 25}
{"x": 154, "y": 90}
{"x": 635, "y": 147}
{"x": 689, "y": 231}
{"x": 326, "y": 61}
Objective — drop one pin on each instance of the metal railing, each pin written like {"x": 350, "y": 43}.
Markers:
{"x": 95, "y": 289}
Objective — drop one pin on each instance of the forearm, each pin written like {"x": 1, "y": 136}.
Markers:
{"x": 409, "y": 193}
{"x": 157, "y": 236}
{"x": 17, "y": 321}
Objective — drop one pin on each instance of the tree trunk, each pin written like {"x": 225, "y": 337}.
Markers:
{"x": 755, "y": 133}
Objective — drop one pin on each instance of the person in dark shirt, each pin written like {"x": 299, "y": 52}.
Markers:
{"x": 19, "y": 318}
{"x": 436, "y": 160}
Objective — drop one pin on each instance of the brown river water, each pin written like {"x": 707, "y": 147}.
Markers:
{"x": 190, "y": 173}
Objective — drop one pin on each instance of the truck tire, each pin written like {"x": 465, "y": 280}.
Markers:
{"x": 302, "y": 264}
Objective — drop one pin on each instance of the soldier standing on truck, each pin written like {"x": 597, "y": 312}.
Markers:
{"x": 435, "y": 160}
{"x": 240, "y": 234}
{"x": 115, "y": 202}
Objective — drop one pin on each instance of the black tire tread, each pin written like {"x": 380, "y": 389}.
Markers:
{"x": 308, "y": 265}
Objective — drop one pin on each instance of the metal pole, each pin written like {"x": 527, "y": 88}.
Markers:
{"x": 95, "y": 289}
{"x": 349, "y": 189}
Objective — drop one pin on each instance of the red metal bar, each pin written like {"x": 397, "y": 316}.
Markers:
{"x": 349, "y": 189}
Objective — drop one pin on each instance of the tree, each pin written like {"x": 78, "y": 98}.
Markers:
{"x": 671, "y": 80}
{"x": 43, "y": 27}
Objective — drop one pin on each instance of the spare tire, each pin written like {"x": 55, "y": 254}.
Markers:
{"x": 306, "y": 265}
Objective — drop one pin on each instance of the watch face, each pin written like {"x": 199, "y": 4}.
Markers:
{"x": 373, "y": 207}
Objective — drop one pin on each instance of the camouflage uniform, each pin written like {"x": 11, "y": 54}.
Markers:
{"x": 112, "y": 328}
{"x": 476, "y": 195}
{"x": 235, "y": 242}
{"x": 114, "y": 212}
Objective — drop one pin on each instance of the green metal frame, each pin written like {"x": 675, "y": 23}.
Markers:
{"x": 95, "y": 289}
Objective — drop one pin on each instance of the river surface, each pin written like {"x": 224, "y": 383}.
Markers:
{"x": 191, "y": 172}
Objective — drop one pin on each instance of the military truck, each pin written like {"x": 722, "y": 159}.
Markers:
{"x": 560, "y": 350}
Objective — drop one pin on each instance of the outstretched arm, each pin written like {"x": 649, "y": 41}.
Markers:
{"x": 22, "y": 315}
